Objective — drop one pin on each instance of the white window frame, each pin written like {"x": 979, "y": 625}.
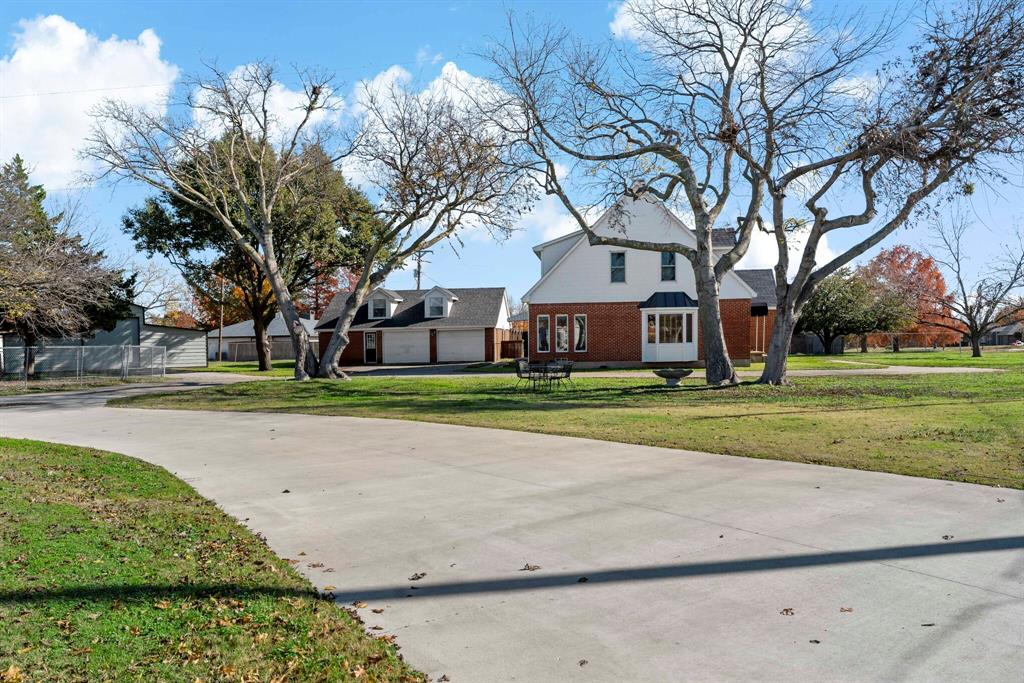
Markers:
{"x": 547, "y": 336}
{"x": 586, "y": 329}
{"x": 563, "y": 316}
{"x": 611, "y": 268}
{"x": 663, "y": 266}
{"x": 440, "y": 301}
{"x": 373, "y": 312}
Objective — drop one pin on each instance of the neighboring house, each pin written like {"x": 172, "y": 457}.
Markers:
{"x": 240, "y": 339}
{"x": 409, "y": 326}
{"x": 1004, "y": 335}
{"x": 600, "y": 304}
{"x": 185, "y": 347}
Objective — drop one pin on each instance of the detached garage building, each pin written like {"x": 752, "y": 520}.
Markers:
{"x": 420, "y": 326}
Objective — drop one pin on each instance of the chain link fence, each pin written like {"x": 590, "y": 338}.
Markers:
{"x": 60, "y": 364}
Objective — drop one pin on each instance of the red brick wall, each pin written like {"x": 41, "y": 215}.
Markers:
{"x": 351, "y": 354}
{"x": 735, "y": 326}
{"x": 614, "y": 333}
{"x": 489, "y": 344}
{"x": 761, "y": 331}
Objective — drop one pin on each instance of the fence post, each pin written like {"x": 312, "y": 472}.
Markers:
{"x": 124, "y": 363}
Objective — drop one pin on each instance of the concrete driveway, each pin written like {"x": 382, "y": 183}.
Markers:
{"x": 651, "y": 564}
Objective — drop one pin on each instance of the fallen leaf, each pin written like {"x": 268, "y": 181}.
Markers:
{"x": 286, "y": 491}
{"x": 11, "y": 675}
{"x": 816, "y": 642}
{"x": 787, "y": 612}
{"x": 530, "y": 567}
{"x": 927, "y": 624}
{"x": 359, "y": 671}
{"x": 329, "y": 587}
{"x": 1000, "y": 500}
{"x": 845, "y": 609}
{"x": 162, "y": 604}
{"x": 443, "y": 678}
{"x": 378, "y": 610}
{"x": 360, "y": 604}
{"x": 583, "y": 662}
{"x": 947, "y": 537}
{"x": 376, "y": 628}
{"x": 417, "y": 576}
{"x": 582, "y": 579}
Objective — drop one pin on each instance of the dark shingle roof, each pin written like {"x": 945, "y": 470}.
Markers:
{"x": 723, "y": 237}
{"x": 669, "y": 300}
{"x": 762, "y": 281}
{"x": 476, "y": 307}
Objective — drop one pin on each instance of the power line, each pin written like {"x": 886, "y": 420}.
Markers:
{"x": 171, "y": 83}
{"x": 84, "y": 90}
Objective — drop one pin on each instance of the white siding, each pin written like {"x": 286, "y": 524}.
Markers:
{"x": 584, "y": 275}
{"x": 185, "y": 348}
{"x": 549, "y": 255}
{"x": 407, "y": 346}
{"x": 455, "y": 346}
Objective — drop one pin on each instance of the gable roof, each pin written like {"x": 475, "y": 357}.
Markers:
{"x": 475, "y": 307}
{"x": 276, "y": 328}
{"x": 762, "y": 281}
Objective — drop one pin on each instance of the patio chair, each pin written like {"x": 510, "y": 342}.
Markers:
{"x": 560, "y": 371}
{"x": 523, "y": 371}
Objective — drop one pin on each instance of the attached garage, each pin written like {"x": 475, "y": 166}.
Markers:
{"x": 406, "y": 346}
{"x": 454, "y": 346}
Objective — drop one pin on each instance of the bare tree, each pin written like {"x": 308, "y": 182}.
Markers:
{"x": 976, "y": 307}
{"x": 953, "y": 110}
{"x": 225, "y": 148}
{"x": 433, "y": 167}
{"x": 697, "y": 115}
{"x": 156, "y": 287}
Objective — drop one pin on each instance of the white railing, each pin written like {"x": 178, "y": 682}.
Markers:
{"x": 80, "y": 362}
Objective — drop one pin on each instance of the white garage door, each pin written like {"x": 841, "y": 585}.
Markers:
{"x": 407, "y": 347}
{"x": 460, "y": 345}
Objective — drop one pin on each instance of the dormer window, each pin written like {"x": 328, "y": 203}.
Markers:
{"x": 438, "y": 302}
{"x": 379, "y": 308}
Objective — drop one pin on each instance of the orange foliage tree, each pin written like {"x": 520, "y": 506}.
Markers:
{"x": 918, "y": 278}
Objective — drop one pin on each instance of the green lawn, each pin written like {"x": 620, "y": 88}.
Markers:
{"x": 113, "y": 570}
{"x": 1005, "y": 359}
{"x": 282, "y": 368}
{"x": 959, "y": 427}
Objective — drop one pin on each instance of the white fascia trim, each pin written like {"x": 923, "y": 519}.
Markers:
{"x": 553, "y": 268}
{"x": 543, "y": 245}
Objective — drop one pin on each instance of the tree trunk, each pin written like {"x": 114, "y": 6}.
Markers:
{"x": 306, "y": 363}
{"x": 778, "y": 348}
{"x": 30, "y": 355}
{"x": 263, "y": 354}
{"x": 863, "y": 343}
{"x": 895, "y": 343}
{"x": 976, "y": 346}
{"x": 826, "y": 342}
{"x": 718, "y": 365}
{"x": 339, "y": 336}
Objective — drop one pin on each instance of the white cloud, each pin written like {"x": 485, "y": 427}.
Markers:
{"x": 764, "y": 253}
{"x": 54, "y": 55}
{"x": 425, "y": 56}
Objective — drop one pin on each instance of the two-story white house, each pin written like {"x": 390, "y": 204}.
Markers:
{"x": 609, "y": 305}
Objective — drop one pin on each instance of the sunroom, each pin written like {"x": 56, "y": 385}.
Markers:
{"x": 669, "y": 328}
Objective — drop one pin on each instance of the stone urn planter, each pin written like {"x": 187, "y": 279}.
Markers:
{"x": 673, "y": 375}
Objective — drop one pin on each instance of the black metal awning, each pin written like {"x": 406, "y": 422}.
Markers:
{"x": 669, "y": 300}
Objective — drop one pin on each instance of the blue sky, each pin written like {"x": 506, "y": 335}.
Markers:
{"x": 356, "y": 40}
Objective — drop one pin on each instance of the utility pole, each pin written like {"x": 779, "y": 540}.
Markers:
{"x": 419, "y": 265}
{"x": 220, "y": 335}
